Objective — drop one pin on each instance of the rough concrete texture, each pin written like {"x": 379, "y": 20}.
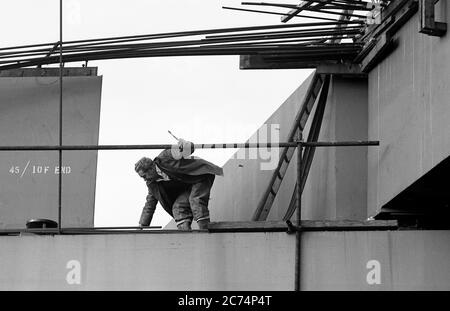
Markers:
{"x": 29, "y": 115}
{"x": 160, "y": 261}
{"x": 337, "y": 182}
{"x": 408, "y": 111}
{"x": 376, "y": 260}
{"x": 336, "y": 186}
{"x": 372, "y": 260}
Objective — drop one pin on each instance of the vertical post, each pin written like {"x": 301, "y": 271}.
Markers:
{"x": 60, "y": 113}
{"x": 298, "y": 204}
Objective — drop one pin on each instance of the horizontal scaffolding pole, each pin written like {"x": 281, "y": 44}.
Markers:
{"x": 196, "y": 146}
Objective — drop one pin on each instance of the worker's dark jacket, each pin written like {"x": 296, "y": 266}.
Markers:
{"x": 187, "y": 170}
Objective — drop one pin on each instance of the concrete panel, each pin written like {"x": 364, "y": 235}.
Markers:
{"x": 408, "y": 112}
{"x": 174, "y": 261}
{"x": 29, "y": 112}
{"x": 336, "y": 186}
{"x": 383, "y": 260}
{"x": 337, "y": 182}
{"x": 357, "y": 260}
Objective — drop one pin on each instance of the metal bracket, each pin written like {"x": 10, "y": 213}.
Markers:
{"x": 291, "y": 227}
{"x": 428, "y": 25}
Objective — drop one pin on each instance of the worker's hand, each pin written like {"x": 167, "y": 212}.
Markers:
{"x": 183, "y": 149}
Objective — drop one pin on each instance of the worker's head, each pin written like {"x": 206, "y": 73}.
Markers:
{"x": 144, "y": 167}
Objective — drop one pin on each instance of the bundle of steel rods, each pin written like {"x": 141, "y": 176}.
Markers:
{"x": 301, "y": 41}
{"x": 316, "y": 9}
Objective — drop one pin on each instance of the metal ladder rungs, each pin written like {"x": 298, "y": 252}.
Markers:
{"x": 266, "y": 203}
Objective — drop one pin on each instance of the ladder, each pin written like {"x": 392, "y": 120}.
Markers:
{"x": 313, "y": 135}
{"x": 265, "y": 204}
{"x": 308, "y": 151}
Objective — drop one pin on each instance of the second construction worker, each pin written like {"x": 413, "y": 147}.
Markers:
{"x": 181, "y": 183}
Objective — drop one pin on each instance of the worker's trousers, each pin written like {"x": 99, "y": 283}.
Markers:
{"x": 190, "y": 201}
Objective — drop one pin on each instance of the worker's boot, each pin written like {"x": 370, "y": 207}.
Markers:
{"x": 185, "y": 226}
{"x": 203, "y": 224}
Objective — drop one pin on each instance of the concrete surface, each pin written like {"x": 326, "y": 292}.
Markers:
{"x": 376, "y": 260}
{"x": 174, "y": 261}
{"x": 370, "y": 260}
{"x": 29, "y": 112}
{"x": 336, "y": 188}
{"x": 409, "y": 98}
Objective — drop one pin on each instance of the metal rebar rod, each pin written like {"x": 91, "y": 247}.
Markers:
{"x": 208, "y": 41}
{"x": 331, "y": 26}
{"x": 171, "y": 35}
{"x": 294, "y": 12}
{"x": 298, "y": 9}
{"x": 301, "y": 33}
{"x": 23, "y": 53}
{"x": 239, "y": 44}
{"x": 166, "y": 49}
{"x": 352, "y": 2}
{"x": 310, "y": 50}
{"x": 126, "y": 53}
{"x": 335, "y": 13}
{"x": 27, "y": 46}
{"x": 224, "y": 38}
{"x": 196, "y": 146}
{"x": 178, "y": 51}
{"x": 33, "y": 52}
{"x": 278, "y": 5}
{"x": 200, "y": 32}
{"x": 357, "y": 5}
{"x": 282, "y": 14}
{"x": 327, "y": 4}
{"x": 204, "y": 52}
{"x": 93, "y": 53}
{"x": 296, "y": 42}
{"x": 266, "y": 46}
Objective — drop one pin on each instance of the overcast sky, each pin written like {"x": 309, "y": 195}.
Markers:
{"x": 201, "y": 99}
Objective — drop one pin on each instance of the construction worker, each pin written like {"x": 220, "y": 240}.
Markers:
{"x": 181, "y": 183}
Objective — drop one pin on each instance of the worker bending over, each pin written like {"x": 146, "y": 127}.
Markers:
{"x": 181, "y": 183}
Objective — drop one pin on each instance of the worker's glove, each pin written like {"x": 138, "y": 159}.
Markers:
{"x": 184, "y": 150}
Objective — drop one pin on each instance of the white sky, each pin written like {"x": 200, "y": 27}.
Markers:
{"x": 201, "y": 99}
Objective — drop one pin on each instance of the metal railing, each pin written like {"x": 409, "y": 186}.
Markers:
{"x": 60, "y": 148}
